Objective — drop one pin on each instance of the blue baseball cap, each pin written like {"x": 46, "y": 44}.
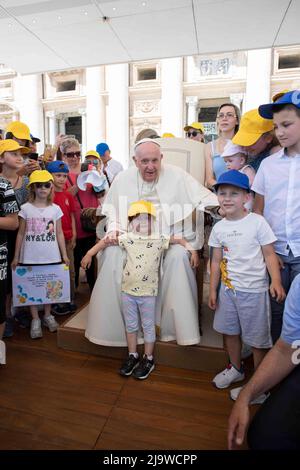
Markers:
{"x": 35, "y": 139}
{"x": 57, "y": 166}
{"x": 101, "y": 148}
{"x": 292, "y": 97}
{"x": 234, "y": 178}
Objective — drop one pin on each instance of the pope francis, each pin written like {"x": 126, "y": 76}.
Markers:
{"x": 177, "y": 197}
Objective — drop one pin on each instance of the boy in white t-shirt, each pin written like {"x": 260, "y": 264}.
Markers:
{"x": 243, "y": 252}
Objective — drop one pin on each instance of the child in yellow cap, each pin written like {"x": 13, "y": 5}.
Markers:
{"x": 40, "y": 239}
{"x": 140, "y": 280}
{"x": 12, "y": 160}
{"x": 8, "y": 223}
{"x": 256, "y": 136}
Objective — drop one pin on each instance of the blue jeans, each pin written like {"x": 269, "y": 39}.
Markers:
{"x": 288, "y": 273}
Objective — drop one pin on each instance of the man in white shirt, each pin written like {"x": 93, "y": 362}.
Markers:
{"x": 111, "y": 167}
{"x": 278, "y": 193}
{"x": 276, "y": 425}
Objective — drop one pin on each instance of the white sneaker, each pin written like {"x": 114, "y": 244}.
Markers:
{"x": 234, "y": 393}
{"x": 227, "y": 377}
{"x": 2, "y": 352}
{"x": 36, "y": 329}
{"x": 50, "y": 322}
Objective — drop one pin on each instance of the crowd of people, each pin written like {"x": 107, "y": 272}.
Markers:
{"x": 146, "y": 285}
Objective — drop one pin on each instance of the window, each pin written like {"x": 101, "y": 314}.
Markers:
{"x": 291, "y": 61}
{"x": 66, "y": 86}
{"x": 147, "y": 74}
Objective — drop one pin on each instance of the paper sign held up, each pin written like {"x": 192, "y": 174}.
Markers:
{"x": 36, "y": 285}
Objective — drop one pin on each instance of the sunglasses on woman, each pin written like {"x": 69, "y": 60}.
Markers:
{"x": 194, "y": 134}
{"x": 73, "y": 154}
{"x": 43, "y": 185}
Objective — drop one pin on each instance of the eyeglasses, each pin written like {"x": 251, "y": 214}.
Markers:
{"x": 73, "y": 154}
{"x": 194, "y": 133}
{"x": 43, "y": 185}
{"x": 227, "y": 115}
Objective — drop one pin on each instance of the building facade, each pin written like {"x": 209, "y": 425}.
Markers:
{"x": 114, "y": 103}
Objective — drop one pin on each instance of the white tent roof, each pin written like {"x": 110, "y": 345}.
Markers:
{"x": 42, "y": 35}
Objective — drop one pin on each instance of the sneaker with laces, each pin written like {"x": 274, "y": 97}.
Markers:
{"x": 234, "y": 393}
{"x": 50, "y": 322}
{"x": 129, "y": 365}
{"x": 60, "y": 309}
{"x": 9, "y": 328}
{"x": 36, "y": 329}
{"x": 144, "y": 368}
{"x": 227, "y": 377}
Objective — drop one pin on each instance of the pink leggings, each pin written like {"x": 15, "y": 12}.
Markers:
{"x": 143, "y": 308}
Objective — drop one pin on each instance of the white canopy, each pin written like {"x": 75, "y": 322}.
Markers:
{"x": 42, "y": 35}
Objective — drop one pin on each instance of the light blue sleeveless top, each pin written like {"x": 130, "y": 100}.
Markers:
{"x": 218, "y": 163}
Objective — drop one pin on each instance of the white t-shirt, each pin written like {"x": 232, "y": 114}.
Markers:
{"x": 112, "y": 168}
{"x": 140, "y": 274}
{"x": 243, "y": 262}
{"x": 40, "y": 244}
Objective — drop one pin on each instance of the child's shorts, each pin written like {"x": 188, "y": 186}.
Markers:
{"x": 247, "y": 314}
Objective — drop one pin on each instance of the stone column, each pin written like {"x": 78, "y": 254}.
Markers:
{"x": 192, "y": 109}
{"x": 84, "y": 149}
{"x": 29, "y": 94}
{"x": 117, "y": 135}
{"x": 172, "y": 96}
{"x": 258, "y": 78}
{"x": 52, "y": 127}
{"x": 95, "y": 107}
{"x": 62, "y": 124}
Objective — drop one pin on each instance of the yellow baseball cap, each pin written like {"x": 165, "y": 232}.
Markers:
{"x": 39, "y": 176}
{"x": 195, "y": 125}
{"x": 141, "y": 207}
{"x": 252, "y": 127}
{"x": 279, "y": 95}
{"x": 167, "y": 135}
{"x": 92, "y": 153}
{"x": 10, "y": 145}
{"x": 19, "y": 130}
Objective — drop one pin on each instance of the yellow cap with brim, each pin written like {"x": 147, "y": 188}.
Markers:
{"x": 141, "y": 207}
{"x": 92, "y": 153}
{"x": 195, "y": 125}
{"x": 252, "y": 127}
{"x": 19, "y": 130}
{"x": 279, "y": 95}
{"x": 10, "y": 145}
{"x": 167, "y": 135}
{"x": 39, "y": 176}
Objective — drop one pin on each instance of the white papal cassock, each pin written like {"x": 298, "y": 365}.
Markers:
{"x": 175, "y": 195}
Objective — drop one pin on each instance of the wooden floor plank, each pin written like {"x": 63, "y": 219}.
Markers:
{"x": 51, "y": 398}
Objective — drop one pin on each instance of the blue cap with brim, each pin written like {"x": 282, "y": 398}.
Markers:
{"x": 292, "y": 97}
{"x": 57, "y": 166}
{"x": 233, "y": 178}
{"x": 102, "y": 148}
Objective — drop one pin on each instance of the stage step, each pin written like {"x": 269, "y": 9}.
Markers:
{"x": 208, "y": 356}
